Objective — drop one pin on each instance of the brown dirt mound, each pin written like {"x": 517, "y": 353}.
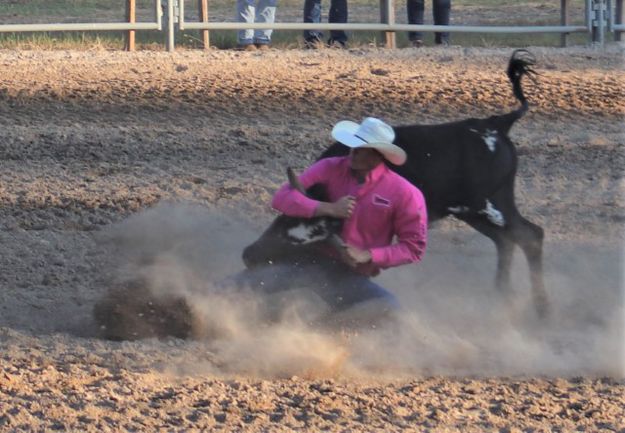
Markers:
{"x": 132, "y": 312}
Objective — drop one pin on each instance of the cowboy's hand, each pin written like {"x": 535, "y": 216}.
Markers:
{"x": 342, "y": 208}
{"x": 355, "y": 256}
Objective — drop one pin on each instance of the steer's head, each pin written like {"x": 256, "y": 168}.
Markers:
{"x": 290, "y": 239}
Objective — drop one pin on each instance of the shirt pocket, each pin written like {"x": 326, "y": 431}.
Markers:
{"x": 376, "y": 209}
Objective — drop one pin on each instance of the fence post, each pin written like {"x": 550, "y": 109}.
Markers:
{"x": 618, "y": 20}
{"x": 131, "y": 17}
{"x": 203, "y": 13}
{"x": 170, "y": 26}
{"x": 564, "y": 21}
{"x": 598, "y": 19}
{"x": 387, "y": 16}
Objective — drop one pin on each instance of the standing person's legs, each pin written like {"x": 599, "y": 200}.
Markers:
{"x": 246, "y": 11}
{"x": 441, "y": 10}
{"x": 265, "y": 13}
{"x": 312, "y": 14}
{"x": 415, "y": 9}
{"x": 338, "y": 14}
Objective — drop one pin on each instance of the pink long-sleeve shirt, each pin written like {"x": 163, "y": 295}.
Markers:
{"x": 387, "y": 205}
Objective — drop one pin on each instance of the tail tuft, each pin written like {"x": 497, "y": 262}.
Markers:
{"x": 521, "y": 63}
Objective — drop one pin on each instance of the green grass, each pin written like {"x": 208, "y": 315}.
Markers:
{"x": 491, "y": 11}
{"x": 42, "y": 8}
{"x": 293, "y": 39}
{"x": 222, "y": 39}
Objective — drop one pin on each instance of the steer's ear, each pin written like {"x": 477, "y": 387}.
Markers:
{"x": 294, "y": 181}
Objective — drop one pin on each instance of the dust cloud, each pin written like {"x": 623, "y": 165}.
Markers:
{"x": 452, "y": 322}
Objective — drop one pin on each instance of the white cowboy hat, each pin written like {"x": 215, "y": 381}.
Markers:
{"x": 372, "y": 133}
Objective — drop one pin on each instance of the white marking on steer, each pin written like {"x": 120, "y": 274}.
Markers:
{"x": 458, "y": 209}
{"x": 489, "y": 137}
{"x": 305, "y": 233}
{"x": 493, "y": 215}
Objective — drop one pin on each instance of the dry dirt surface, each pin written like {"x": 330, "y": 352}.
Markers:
{"x": 161, "y": 166}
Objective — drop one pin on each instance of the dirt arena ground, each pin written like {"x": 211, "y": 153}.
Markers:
{"x": 108, "y": 158}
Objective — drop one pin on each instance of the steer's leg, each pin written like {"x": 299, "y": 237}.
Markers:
{"x": 505, "y": 250}
{"x": 530, "y": 237}
{"x": 504, "y": 244}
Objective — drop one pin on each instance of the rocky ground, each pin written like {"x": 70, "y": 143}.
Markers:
{"x": 109, "y": 157}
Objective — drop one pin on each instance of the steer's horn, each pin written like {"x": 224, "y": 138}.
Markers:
{"x": 294, "y": 181}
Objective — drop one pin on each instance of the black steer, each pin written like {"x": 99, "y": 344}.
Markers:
{"x": 465, "y": 169}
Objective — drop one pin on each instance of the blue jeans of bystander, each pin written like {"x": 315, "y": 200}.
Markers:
{"x": 338, "y": 14}
{"x": 250, "y": 12}
{"x": 440, "y": 10}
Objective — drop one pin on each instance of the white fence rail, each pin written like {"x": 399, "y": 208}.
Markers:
{"x": 79, "y": 27}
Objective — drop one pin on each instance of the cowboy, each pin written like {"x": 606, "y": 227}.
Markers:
{"x": 377, "y": 206}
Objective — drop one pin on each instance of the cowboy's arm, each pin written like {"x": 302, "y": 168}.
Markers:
{"x": 291, "y": 202}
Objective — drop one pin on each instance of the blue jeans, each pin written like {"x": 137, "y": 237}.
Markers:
{"x": 339, "y": 287}
{"x": 249, "y": 12}
{"x": 338, "y": 14}
{"x": 440, "y": 9}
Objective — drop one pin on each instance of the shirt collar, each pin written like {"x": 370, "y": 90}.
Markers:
{"x": 375, "y": 174}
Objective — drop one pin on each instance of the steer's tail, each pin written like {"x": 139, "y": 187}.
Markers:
{"x": 521, "y": 63}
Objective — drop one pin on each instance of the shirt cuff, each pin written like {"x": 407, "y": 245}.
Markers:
{"x": 378, "y": 256}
